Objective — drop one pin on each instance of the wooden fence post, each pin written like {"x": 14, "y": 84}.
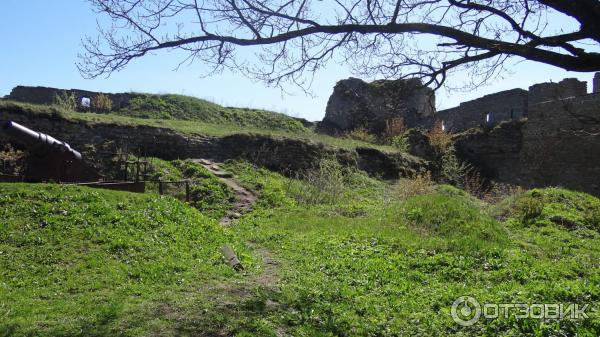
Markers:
{"x": 187, "y": 191}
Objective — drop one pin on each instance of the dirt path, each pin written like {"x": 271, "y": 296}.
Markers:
{"x": 244, "y": 198}
{"x": 269, "y": 277}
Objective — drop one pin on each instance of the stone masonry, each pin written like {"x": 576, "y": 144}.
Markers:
{"x": 490, "y": 110}
{"x": 280, "y": 154}
{"x": 557, "y": 145}
{"x": 486, "y": 111}
{"x": 357, "y": 104}
{"x": 44, "y": 95}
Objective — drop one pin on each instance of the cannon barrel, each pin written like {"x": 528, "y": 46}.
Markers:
{"x": 39, "y": 143}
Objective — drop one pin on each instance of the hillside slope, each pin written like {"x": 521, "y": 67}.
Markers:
{"x": 80, "y": 261}
{"x": 179, "y": 107}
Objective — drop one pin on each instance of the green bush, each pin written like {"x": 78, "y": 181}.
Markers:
{"x": 557, "y": 206}
{"x": 66, "y": 101}
{"x": 453, "y": 170}
{"x": 400, "y": 142}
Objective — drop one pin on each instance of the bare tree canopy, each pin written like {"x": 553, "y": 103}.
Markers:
{"x": 288, "y": 39}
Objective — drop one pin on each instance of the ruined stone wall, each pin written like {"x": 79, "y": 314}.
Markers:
{"x": 277, "y": 153}
{"x": 44, "y": 95}
{"x": 569, "y": 87}
{"x": 596, "y": 85}
{"x": 558, "y": 145}
{"x": 486, "y": 111}
{"x": 562, "y": 143}
{"x": 358, "y": 104}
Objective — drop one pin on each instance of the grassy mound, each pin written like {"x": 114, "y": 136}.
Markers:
{"x": 80, "y": 261}
{"x": 557, "y": 207}
{"x": 195, "y": 109}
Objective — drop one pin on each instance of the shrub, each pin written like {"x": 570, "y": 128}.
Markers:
{"x": 530, "y": 207}
{"x": 66, "y": 101}
{"x": 406, "y": 188}
{"x": 400, "y": 142}
{"x": 328, "y": 182}
{"x": 102, "y": 103}
{"x": 362, "y": 135}
{"x": 394, "y": 127}
{"x": 453, "y": 170}
{"x": 440, "y": 140}
{"x": 476, "y": 185}
{"x": 323, "y": 184}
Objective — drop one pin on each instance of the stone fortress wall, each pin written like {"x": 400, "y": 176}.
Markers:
{"x": 485, "y": 111}
{"x": 490, "y": 110}
{"x": 356, "y": 104}
{"x": 558, "y": 144}
{"x": 548, "y": 135}
{"x": 44, "y": 95}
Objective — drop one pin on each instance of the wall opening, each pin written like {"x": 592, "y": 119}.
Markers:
{"x": 86, "y": 102}
{"x": 487, "y": 118}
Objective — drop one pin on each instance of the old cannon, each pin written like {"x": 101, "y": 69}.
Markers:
{"x": 49, "y": 159}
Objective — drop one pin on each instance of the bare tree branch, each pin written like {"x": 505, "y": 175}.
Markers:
{"x": 388, "y": 38}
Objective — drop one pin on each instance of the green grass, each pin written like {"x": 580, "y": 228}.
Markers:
{"x": 360, "y": 264}
{"x": 181, "y": 107}
{"x": 371, "y": 266}
{"x": 79, "y": 261}
{"x": 207, "y": 193}
{"x": 220, "y": 127}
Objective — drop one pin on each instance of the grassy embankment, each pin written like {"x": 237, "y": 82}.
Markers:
{"x": 78, "y": 261}
{"x": 356, "y": 257}
{"x": 192, "y": 115}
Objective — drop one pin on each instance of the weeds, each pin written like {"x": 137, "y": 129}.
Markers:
{"x": 530, "y": 207}
{"x": 66, "y": 101}
{"x": 394, "y": 127}
{"x": 323, "y": 184}
{"x": 440, "y": 140}
{"x": 400, "y": 143}
{"x": 361, "y": 134}
{"x": 406, "y": 188}
{"x": 12, "y": 161}
{"x": 102, "y": 103}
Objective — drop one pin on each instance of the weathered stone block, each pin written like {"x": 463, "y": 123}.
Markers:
{"x": 358, "y": 104}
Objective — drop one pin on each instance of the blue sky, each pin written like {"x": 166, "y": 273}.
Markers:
{"x": 40, "y": 40}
